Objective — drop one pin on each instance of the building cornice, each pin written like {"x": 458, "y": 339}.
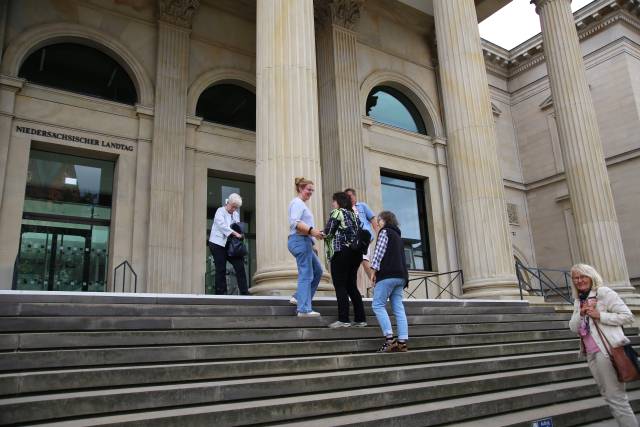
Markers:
{"x": 589, "y": 20}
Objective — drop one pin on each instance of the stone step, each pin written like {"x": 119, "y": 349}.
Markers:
{"x": 191, "y": 299}
{"x": 452, "y": 411}
{"x": 334, "y": 393}
{"x": 155, "y": 310}
{"x": 16, "y": 361}
{"x": 14, "y": 341}
{"x": 92, "y": 378}
{"x": 576, "y": 413}
{"x": 477, "y": 334}
{"x": 341, "y": 408}
{"x": 24, "y": 324}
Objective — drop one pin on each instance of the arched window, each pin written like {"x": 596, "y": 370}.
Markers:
{"x": 228, "y": 104}
{"x": 390, "y": 106}
{"x": 81, "y": 69}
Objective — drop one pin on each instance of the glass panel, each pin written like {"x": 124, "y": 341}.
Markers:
{"x": 218, "y": 189}
{"x": 390, "y": 106}
{"x": 228, "y": 104}
{"x": 81, "y": 69}
{"x": 65, "y": 227}
{"x": 403, "y": 198}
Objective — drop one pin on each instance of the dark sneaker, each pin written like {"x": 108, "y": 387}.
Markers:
{"x": 388, "y": 347}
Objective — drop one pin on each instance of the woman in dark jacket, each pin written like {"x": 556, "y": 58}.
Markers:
{"x": 341, "y": 230}
{"x": 389, "y": 279}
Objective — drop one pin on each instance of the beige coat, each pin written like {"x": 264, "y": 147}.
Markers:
{"x": 614, "y": 313}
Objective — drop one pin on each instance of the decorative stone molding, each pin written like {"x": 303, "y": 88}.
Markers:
{"x": 177, "y": 12}
{"x": 345, "y": 13}
{"x": 589, "y": 21}
{"x": 46, "y": 34}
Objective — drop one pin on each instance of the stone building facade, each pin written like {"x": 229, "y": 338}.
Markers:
{"x": 401, "y": 100}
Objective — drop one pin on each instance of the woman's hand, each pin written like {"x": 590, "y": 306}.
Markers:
{"x": 592, "y": 312}
{"x": 236, "y": 234}
{"x": 372, "y": 277}
{"x": 317, "y": 233}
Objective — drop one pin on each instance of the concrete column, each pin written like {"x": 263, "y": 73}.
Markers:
{"x": 341, "y": 145}
{"x": 287, "y": 142}
{"x": 476, "y": 181}
{"x": 166, "y": 218}
{"x": 11, "y": 195}
{"x": 597, "y": 229}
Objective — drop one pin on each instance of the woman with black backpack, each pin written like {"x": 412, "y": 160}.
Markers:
{"x": 341, "y": 234}
{"x": 389, "y": 276}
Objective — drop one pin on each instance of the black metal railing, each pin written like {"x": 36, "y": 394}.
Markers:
{"x": 124, "y": 265}
{"x": 544, "y": 282}
{"x": 443, "y": 282}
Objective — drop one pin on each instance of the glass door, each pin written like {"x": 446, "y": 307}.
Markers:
{"x": 66, "y": 216}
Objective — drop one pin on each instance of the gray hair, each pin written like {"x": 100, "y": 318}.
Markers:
{"x": 234, "y": 199}
{"x": 590, "y": 272}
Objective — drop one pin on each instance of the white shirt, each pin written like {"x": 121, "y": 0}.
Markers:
{"x": 221, "y": 227}
{"x": 299, "y": 211}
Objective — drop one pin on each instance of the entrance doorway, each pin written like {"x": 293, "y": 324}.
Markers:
{"x": 64, "y": 237}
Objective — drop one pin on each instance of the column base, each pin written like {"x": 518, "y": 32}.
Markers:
{"x": 285, "y": 282}
{"x": 626, "y": 292}
{"x": 505, "y": 288}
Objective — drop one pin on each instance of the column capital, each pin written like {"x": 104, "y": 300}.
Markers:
{"x": 344, "y": 13}
{"x": 177, "y": 12}
{"x": 539, "y": 4}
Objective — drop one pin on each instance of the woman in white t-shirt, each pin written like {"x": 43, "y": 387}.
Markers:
{"x": 302, "y": 232}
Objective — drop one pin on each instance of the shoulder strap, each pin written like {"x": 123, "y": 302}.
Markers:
{"x": 604, "y": 339}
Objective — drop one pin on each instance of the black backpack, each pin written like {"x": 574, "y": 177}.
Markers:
{"x": 360, "y": 243}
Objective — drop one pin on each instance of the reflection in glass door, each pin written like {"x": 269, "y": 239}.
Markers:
{"x": 64, "y": 237}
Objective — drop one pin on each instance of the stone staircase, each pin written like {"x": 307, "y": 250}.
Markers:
{"x": 168, "y": 360}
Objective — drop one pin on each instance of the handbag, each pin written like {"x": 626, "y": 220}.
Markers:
{"x": 624, "y": 359}
{"x": 236, "y": 247}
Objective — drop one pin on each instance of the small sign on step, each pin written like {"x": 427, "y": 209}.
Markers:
{"x": 545, "y": 422}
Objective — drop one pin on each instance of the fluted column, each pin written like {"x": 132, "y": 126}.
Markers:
{"x": 341, "y": 145}
{"x": 476, "y": 181}
{"x": 597, "y": 229}
{"x": 166, "y": 225}
{"x": 286, "y": 134}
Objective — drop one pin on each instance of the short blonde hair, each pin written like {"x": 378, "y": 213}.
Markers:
{"x": 590, "y": 272}
{"x": 301, "y": 182}
{"x": 234, "y": 199}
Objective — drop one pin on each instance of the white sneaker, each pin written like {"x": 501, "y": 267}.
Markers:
{"x": 358, "y": 324}
{"x": 339, "y": 324}
{"x": 309, "y": 314}
{"x": 293, "y": 300}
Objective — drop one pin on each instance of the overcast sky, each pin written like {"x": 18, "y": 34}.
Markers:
{"x": 516, "y": 23}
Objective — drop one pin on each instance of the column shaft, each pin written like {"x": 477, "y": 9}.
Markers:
{"x": 287, "y": 142}
{"x": 340, "y": 128}
{"x": 476, "y": 180}
{"x": 597, "y": 229}
{"x": 167, "y": 161}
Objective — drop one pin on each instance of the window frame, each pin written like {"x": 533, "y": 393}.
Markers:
{"x": 423, "y": 213}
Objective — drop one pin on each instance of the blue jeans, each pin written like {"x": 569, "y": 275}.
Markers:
{"x": 309, "y": 270}
{"x": 391, "y": 289}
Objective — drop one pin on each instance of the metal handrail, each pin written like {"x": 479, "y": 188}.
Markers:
{"x": 428, "y": 279}
{"x": 547, "y": 285}
{"x": 124, "y": 265}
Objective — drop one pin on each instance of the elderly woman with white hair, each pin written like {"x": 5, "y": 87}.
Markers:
{"x": 226, "y": 216}
{"x": 595, "y": 303}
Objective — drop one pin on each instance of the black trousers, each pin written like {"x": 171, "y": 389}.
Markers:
{"x": 344, "y": 272}
{"x": 220, "y": 259}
